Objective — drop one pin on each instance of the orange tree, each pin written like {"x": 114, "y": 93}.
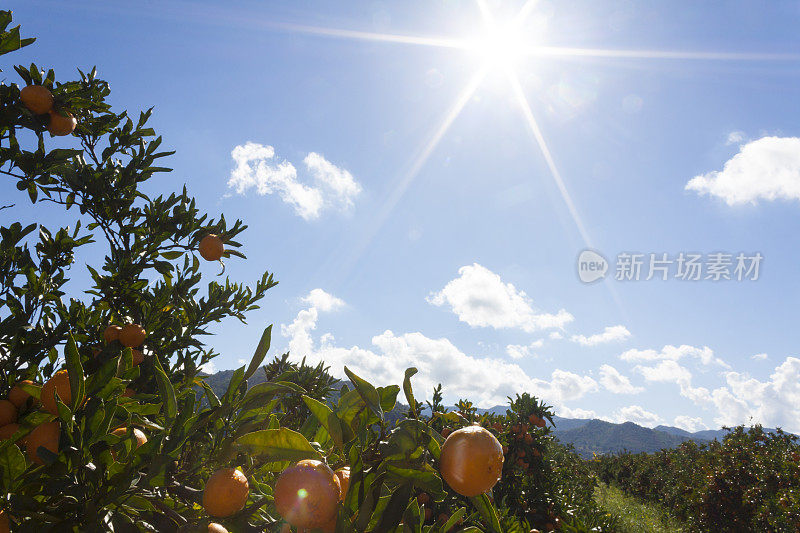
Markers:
{"x": 103, "y": 392}
{"x": 747, "y": 481}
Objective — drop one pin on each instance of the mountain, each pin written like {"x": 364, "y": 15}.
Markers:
{"x": 599, "y": 436}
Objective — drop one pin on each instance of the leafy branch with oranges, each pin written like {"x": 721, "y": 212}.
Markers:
{"x": 107, "y": 422}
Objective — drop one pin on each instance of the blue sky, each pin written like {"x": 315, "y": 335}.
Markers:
{"x": 459, "y": 256}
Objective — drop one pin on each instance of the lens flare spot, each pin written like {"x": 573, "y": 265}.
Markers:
{"x": 302, "y": 494}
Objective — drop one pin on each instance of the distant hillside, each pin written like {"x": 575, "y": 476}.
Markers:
{"x": 598, "y": 436}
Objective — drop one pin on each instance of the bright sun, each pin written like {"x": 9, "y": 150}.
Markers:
{"x": 499, "y": 47}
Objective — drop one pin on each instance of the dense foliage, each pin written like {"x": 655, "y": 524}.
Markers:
{"x": 107, "y": 421}
{"x": 748, "y": 481}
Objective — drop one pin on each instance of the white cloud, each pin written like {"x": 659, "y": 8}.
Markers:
{"x": 241, "y": 362}
{"x": 760, "y": 357}
{"x": 743, "y": 399}
{"x": 209, "y": 368}
{"x": 480, "y": 298}
{"x": 735, "y": 137}
{"x": 566, "y": 412}
{"x": 636, "y": 414}
{"x": 609, "y": 334}
{"x": 323, "y": 301}
{"x": 773, "y": 403}
{"x": 669, "y": 371}
{"x": 674, "y": 353}
{"x": 764, "y": 169}
{"x": 485, "y": 381}
{"x": 334, "y": 188}
{"x": 690, "y": 424}
{"x": 556, "y": 335}
{"x": 613, "y": 381}
{"x": 518, "y": 351}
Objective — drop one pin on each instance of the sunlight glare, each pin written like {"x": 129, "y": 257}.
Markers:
{"x": 500, "y": 47}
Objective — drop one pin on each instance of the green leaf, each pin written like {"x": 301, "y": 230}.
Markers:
{"x": 367, "y": 392}
{"x": 166, "y": 391}
{"x": 451, "y": 523}
{"x": 75, "y": 370}
{"x": 261, "y": 352}
{"x": 172, "y": 255}
{"x": 408, "y": 391}
{"x": 233, "y": 385}
{"x": 487, "y": 511}
{"x": 278, "y": 445}
{"x": 263, "y": 392}
{"x": 388, "y": 396}
{"x": 12, "y": 465}
{"x": 393, "y": 512}
{"x": 327, "y": 418}
{"x": 213, "y": 401}
{"x": 425, "y": 477}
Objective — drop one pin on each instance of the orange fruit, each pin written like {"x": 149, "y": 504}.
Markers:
{"x": 111, "y": 334}
{"x": 211, "y": 247}
{"x": 213, "y": 527}
{"x": 471, "y": 461}
{"x": 138, "y": 434}
{"x": 8, "y": 412}
{"x": 226, "y": 492}
{"x": 61, "y": 125}
{"x": 307, "y": 494}
{"x": 343, "y": 475}
{"x": 7, "y": 431}
{"x": 132, "y": 335}
{"x": 137, "y": 357}
{"x": 45, "y": 435}
{"x": 59, "y": 383}
{"x": 38, "y": 99}
{"x": 330, "y": 527}
{"x": 5, "y": 527}
{"x": 17, "y": 395}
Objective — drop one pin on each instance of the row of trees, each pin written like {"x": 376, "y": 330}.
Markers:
{"x": 107, "y": 422}
{"x": 748, "y": 481}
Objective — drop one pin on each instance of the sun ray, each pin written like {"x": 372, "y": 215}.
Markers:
{"x": 408, "y": 177}
{"x": 548, "y": 157}
{"x": 525, "y": 12}
{"x": 560, "y": 51}
{"x": 441, "y": 42}
{"x": 556, "y": 174}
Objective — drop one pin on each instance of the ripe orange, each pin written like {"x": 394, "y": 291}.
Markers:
{"x": 59, "y": 383}
{"x": 423, "y": 498}
{"x": 38, "y": 99}
{"x": 471, "y": 461}
{"x": 307, "y": 494}
{"x": 330, "y": 527}
{"x": 5, "y": 527}
{"x": 46, "y": 435}
{"x": 138, "y": 434}
{"x": 7, "y": 431}
{"x": 213, "y": 527}
{"x": 226, "y": 492}
{"x": 137, "y": 357}
{"x": 343, "y": 475}
{"x": 17, "y": 396}
{"x": 8, "y": 412}
{"x": 211, "y": 247}
{"x": 61, "y": 125}
{"x": 132, "y": 335}
{"x": 111, "y": 334}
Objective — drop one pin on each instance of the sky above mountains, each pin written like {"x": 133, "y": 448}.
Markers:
{"x": 422, "y": 178}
